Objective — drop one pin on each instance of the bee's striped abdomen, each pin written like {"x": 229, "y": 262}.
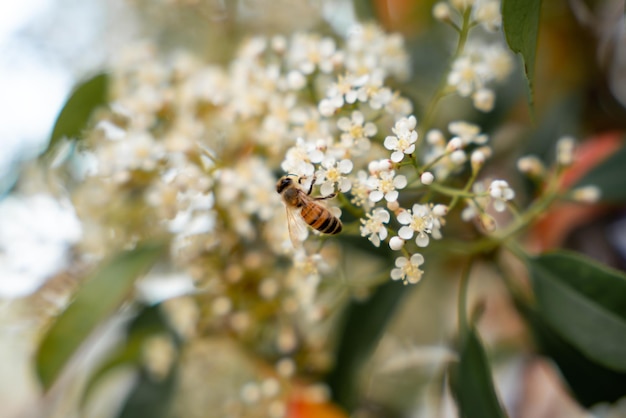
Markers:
{"x": 321, "y": 219}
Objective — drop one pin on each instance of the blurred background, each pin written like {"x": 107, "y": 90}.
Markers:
{"x": 47, "y": 46}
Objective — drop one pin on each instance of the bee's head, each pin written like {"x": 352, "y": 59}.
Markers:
{"x": 282, "y": 183}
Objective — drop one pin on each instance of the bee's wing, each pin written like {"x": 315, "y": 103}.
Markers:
{"x": 298, "y": 231}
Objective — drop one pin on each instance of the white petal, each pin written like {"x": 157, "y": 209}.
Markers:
{"x": 401, "y": 261}
{"x": 391, "y": 196}
{"x": 400, "y": 182}
{"x": 397, "y": 156}
{"x": 499, "y": 205}
{"x": 396, "y": 274}
{"x": 345, "y": 166}
{"x": 406, "y": 232}
{"x": 375, "y": 240}
{"x": 357, "y": 117}
{"x": 421, "y": 240}
{"x": 327, "y": 188}
{"x": 405, "y": 217}
{"x": 382, "y": 233}
{"x": 417, "y": 259}
{"x": 391, "y": 143}
{"x": 344, "y": 124}
{"x": 410, "y": 149}
{"x": 345, "y": 185}
{"x": 382, "y": 215}
{"x": 376, "y": 196}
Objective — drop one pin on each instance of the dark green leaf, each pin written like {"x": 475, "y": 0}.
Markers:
{"x": 589, "y": 382}
{"x": 147, "y": 323}
{"x": 585, "y": 303}
{"x": 365, "y": 10}
{"x": 609, "y": 177}
{"x": 363, "y": 326}
{"x": 520, "y": 22}
{"x": 472, "y": 383}
{"x": 74, "y": 116}
{"x": 150, "y": 398}
{"x": 98, "y": 298}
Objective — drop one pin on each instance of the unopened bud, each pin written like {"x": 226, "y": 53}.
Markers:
{"x": 458, "y": 157}
{"x": 454, "y": 144}
{"x": 484, "y": 100}
{"x": 435, "y": 137}
{"x": 393, "y": 205}
{"x": 531, "y": 166}
{"x": 441, "y": 11}
{"x": 427, "y": 178}
{"x": 565, "y": 151}
{"x": 478, "y": 160}
{"x": 396, "y": 243}
{"x": 587, "y": 194}
{"x": 440, "y": 210}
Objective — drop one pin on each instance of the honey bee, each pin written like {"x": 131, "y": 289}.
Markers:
{"x": 302, "y": 206}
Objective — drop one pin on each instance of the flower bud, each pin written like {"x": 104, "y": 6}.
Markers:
{"x": 478, "y": 160}
{"x": 531, "y": 166}
{"x": 484, "y": 100}
{"x": 587, "y": 194}
{"x": 396, "y": 243}
{"x": 427, "y": 178}
{"x": 441, "y": 11}
{"x": 565, "y": 151}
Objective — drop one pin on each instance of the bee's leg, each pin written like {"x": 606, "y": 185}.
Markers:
{"x": 330, "y": 196}
{"x": 311, "y": 186}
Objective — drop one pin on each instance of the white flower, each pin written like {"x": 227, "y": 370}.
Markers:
{"x": 374, "y": 226}
{"x": 469, "y": 133}
{"x": 308, "y": 52}
{"x": 408, "y": 270}
{"x": 360, "y": 191}
{"x": 465, "y": 76}
{"x": 345, "y": 90}
{"x": 355, "y": 132}
{"x": 300, "y": 158}
{"x": 487, "y": 13}
{"x": 385, "y": 185}
{"x": 419, "y": 220}
{"x": 404, "y": 140}
{"x": 500, "y": 191}
{"x": 332, "y": 174}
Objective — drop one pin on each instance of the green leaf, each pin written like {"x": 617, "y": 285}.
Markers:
{"x": 99, "y": 297}
{"x": 609, "y": 177}
{"x": 74, "y": 117}
{"x": 520, "y": 22}
{"x": 589, "y": 382}
{"x": 585, "y": 303}
{"x": 471, "y": 381}
{"x": 150, "y": 398}
{"x": 362, "y": 328}
{"x": 147, "y": 323}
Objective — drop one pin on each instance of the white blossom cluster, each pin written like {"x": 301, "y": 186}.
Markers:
{"x": 192, "y": 151}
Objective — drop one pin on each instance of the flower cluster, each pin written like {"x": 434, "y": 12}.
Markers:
{"x": 192, "y": 151}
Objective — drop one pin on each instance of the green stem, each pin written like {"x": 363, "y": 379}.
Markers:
{"x": 441, "y": 90}
{"x": 462, "y": 302}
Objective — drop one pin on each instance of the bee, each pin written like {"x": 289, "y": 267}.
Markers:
{"x": 302, "y": 206}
